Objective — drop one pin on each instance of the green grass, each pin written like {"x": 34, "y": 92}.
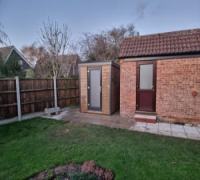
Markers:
{"x": 38, "y": 144}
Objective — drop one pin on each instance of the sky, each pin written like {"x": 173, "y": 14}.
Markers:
{"x": 22, "y": 19}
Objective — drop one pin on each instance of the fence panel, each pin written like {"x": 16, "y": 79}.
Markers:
{"x": 36, "y": 95}
{"x": 68, "y": 93}
{"x": 8, "y": 100}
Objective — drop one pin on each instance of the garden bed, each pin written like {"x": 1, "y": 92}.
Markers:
{"x": 86, "y": 171}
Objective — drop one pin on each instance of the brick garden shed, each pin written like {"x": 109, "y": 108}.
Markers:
{"x": 99, "y": 87}
{"x": 160, "y": 76}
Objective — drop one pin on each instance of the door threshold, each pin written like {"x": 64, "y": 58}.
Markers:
{"x": 145, "y": 117}
{"x": 95, "y": 112}
{"x": 145, "y": 112}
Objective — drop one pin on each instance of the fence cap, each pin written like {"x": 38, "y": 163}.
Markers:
{"x": 8, "y": 79}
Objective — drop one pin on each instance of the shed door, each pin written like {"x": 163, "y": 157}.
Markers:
{"x": 146, "y": 85}
{"x": 94, "y": 88}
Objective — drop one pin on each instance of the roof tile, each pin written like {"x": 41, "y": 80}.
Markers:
{"x": 170, "y": 43}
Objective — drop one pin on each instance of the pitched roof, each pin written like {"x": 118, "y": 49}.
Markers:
{"x": 5, "y": 52}
{"x": 70, "y": 58}
{"x": 170, "y": 43}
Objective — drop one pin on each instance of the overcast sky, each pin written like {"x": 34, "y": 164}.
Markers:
{"x": 22, "y": 19}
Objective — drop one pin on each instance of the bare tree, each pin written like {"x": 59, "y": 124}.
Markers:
{"x": 55, "y": 39}
{"x": 43, "y": 68}
{"x": 4, "y": 40}
{"x": 34, "y": 53}
{"x": 105, "y": 45}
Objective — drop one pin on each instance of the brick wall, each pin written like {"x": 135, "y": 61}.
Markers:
{"x": 127, "y": 88}
{"x": 83, "y": 88}
{"x": 176, "y": 79}
{"x": 106, "y": 74}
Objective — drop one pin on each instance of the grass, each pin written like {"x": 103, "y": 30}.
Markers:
{"x": 38, "y": 144}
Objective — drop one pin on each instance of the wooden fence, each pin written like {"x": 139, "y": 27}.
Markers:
{"x": 36, "y": 95}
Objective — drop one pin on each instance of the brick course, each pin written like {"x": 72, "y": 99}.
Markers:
{"x": 106, "y": 73}
{"x": 83, "y": 88}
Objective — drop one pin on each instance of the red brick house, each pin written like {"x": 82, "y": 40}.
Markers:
{"x": 160, "y": 75}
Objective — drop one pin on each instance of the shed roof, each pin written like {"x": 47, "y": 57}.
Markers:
{"x": 99, "y": 63}
{"x": 169, "y": 43}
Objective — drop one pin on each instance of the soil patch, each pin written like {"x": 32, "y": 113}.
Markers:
{"x": 86, "y": 171}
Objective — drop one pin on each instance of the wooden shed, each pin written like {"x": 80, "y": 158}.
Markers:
{"x": 99, "y": 87}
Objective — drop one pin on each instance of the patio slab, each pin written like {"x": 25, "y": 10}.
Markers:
{"x": 152, "y": 128}
{"x": 116, "y": 121}
{"x": 178, "y": 131}
{"x": 140, "y": 126}
{"x": 164, "y": 129}
{"x": 192, "y": 132}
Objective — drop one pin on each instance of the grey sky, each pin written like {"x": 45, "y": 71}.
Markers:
{"x": 22, "y": 19}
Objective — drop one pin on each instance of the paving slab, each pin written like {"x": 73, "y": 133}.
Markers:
{"x": 164, "y": 127}
{"x": 152, "y": 128}
{"x": 152, "y": 125}
{"x": 198, "y": 128}
{"x": 177, "y": 128}
{"x": 140, "y": 126}
{"x": 192, "y": 132}
{"x": 180, "y": 135}
{"x": 178, "y": 131}
{"x": 191, "y": 136}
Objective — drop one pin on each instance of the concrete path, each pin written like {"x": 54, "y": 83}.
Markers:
{"x": 24, "y": 117}
{"x": 115, "y": 121}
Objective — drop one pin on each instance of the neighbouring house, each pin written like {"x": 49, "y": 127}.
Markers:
{"x": 68, "y": 66}
{"x": 160, "y": 77}
{"x": 13, "y": 60}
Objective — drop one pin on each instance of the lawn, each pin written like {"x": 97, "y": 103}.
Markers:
{"x": 38, "y": 144}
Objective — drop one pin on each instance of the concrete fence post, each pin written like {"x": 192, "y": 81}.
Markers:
{"x": 55, "y": 92}
{"x": 19, "y": 113}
